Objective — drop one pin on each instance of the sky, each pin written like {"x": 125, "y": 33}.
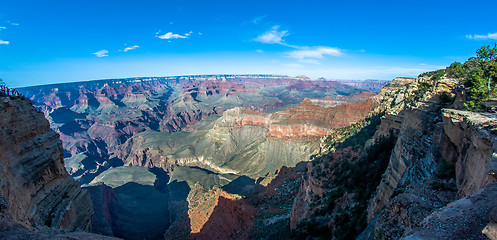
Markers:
{"x": 43, "y": 42}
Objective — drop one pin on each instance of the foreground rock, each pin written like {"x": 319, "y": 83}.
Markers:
{"x": 36, "y": 192}
{"x": 35, "y": 185}
{"x": 433, "y": 157}
{"x": 15, "y": 231}
{"x": 462, "y": 219}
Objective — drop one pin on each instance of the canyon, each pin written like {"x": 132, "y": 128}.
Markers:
{"x": 195, "y": 134}
{"x": 250, "y": 157}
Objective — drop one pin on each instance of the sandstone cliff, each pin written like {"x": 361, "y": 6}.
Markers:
{"x": 35, "y": 189}
{"x": 438, "y": 155}
{"x": 475, "y": 154}
{"x": 414, "y": 157}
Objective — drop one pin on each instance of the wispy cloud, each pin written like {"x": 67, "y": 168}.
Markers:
{"x": 482, "y": 37}
{"x": 259, "y": 51}
{"x": 4, "y": 42}
{"x": 171, "y": 35}
{"x": 303, "y": 54}
{"x": 131, "y": 48}
{"x": 311, "y": 54}
{"x": 2, "y": 27}
{"x": 258, "y": 19}
{"x": 101, "y": 53}
{"x": 273, "y": 36}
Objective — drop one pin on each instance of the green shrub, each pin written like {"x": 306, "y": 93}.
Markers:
{"x": 481, "y": 77}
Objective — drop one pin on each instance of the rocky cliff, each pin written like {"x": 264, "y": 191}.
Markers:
{"x": 435, "y": 156}
{"x": 35, "y": 189}
{"x": 414, "y": 147}
{"x": 475, "y": 154}
{"x": 440, "y": 156}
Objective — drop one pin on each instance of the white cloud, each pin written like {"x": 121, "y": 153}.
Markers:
{"x": 310, "y": 54}
{"x": 171, "y": 35}
{"x": 2, "y": 27}
{"x": 101, "y": 53}
{"x": 303, "y": 54}
{"x": 15, "y": 24}
{"x": 131, "y": 48}
{"x": 4, "y": 42}
{"x": 482, "y": 37}
{"x": 272, "y": 36}
{"x": 259, "y": 51}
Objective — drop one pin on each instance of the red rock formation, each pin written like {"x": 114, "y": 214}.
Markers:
{"x": 215, "y": 214}
{"x": 307, "y": 120}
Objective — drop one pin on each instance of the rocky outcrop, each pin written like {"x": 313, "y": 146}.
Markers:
{"x": 465, "y": 218}
{"x": 465, "y": 140}
{"x": 36, "y": 189}
{"x": 412, "y": 159}
{"x": 317, "y": 182}
{"x": 475, "y": 154}
{"x": 440, "y": 156}
{"x": 15, "y": 231}
{"x": 215, "y": 214}
{"x": 414, "y": 156}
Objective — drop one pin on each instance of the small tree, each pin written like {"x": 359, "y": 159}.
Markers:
{"x": 481, "y": 76}
{"x": 456, "y": 70}
{"x": 486, "y": 63}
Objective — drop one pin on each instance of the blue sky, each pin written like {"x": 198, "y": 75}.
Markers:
{"x": 72, "y": 40}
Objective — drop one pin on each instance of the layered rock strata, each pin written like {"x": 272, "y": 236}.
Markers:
{"x": 414, "y": 156}
{"x": 35, "y": 186}
{"x": 475, "y": 154}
